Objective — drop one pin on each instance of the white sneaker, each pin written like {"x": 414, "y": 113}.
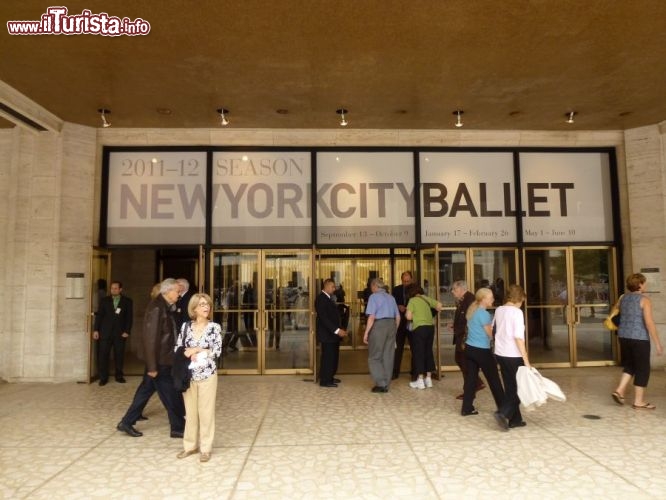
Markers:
{"x": 428, "y": 382}
{"x": 417, "y": 384}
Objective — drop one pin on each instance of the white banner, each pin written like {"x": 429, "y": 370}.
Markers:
{"x": 467, "y": 198}
{"x": 261, "y": 198}
{"x": 566, "y": 197}
{"x": 156, "y": 198}
{"x": 365, "y": 198}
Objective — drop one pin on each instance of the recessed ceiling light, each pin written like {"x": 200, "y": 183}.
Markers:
{"x": 282, "y": 111}
{"x": 401, "y": 111}
{"x": 164, "y": 111}
{"x": 515, "y": 113}
{"x": 626, "y": 113}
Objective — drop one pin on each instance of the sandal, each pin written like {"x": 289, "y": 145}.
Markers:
{"x": 618, "y": 398}
{"x": 646, "y": 406}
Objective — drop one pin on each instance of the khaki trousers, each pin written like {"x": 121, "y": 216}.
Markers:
{"x": 200, "y": 414}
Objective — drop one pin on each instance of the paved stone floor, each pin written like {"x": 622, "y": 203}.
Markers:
{"x": 281, "y": 437}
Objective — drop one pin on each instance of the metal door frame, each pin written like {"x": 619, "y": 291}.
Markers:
{"x": 96, "y": 253}
{"x": 261, "y": 312}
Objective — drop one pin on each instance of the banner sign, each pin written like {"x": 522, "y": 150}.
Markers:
{"x": 261, "y": 198}
{"x": 467, "y": 198}
{"x": 365, "y": 198}
{"x": 156, "y": 198}
{"x": 266, "y": 198}
{"x": 566, "y": 197}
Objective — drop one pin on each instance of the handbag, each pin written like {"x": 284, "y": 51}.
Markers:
{"x": 180, "y": 371}
{"x": 612, "y": 321}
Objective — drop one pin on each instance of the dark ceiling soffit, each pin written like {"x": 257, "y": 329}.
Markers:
{"x": 22, "y": 118}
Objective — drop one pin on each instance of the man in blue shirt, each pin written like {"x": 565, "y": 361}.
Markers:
{"x": 380, "y": 329}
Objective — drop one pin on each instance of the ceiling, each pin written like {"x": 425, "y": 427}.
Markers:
{"x": 408, "y": 64}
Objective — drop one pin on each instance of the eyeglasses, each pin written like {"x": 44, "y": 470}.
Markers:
{"x": 202, "y": 304}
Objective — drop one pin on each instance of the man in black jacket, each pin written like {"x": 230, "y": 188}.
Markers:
{"x": 400, "y": 295}
{"x": 329, "y": 333}
{"x": 159, "y": 339}
{"x": 464, "y": 299}
{"x": 182, "y": 316}
{"x": 113, "y": 324}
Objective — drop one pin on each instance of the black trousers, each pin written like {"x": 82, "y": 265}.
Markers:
{"x": 475, "y": 358}
{"x": 328, "y": 365}
{"x": 423, "y": 359}
{"x": 400, "y": 337}
{"x": 117, "y": 343}
{"x": 171, "y": 399}
{"x": 510, "y": 407}
{"x": 459, "y": 356}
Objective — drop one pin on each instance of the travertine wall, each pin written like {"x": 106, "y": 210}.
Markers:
{"x": 50, "y": 187}
{"x": 47, "y": 210}
{"x": 646, "y": 195}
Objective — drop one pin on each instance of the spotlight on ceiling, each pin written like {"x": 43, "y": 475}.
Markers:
{"x": 570, "y": 116}
{"x": 342, "y": 112}
{"x": 458, "y": 113}
{"x": 103, "y": 112}
{"x": 223, "y": 116}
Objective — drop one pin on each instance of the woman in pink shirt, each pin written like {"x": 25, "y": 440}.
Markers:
{"x": 511, "y": 353}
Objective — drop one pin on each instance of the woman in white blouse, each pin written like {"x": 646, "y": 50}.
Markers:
{"x": 202, "y": 340}
{"x": 511, "y": 353}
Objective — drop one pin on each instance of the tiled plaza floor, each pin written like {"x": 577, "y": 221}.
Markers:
{"x": 282, "y": 437}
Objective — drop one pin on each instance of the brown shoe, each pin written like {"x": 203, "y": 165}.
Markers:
{"x": 187, "y": 453}
{"x": 204, "y": 457}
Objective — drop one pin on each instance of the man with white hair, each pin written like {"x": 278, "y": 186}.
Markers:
{"x": 380, "y": 329}
{"x": 159, "y": 339}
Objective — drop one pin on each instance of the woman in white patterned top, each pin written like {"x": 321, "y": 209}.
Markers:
{"x": 202, "y": 340}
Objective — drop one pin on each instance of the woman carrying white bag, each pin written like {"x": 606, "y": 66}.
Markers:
{"x": 511, "y": 354}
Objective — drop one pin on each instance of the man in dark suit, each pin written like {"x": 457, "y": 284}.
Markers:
{"x": 329, "y": 333}
{"x": 113, "y": 324}
{"x": 182, "y": 316}
{"x": 464, "y": 299}
{"x": 400, "y": 295}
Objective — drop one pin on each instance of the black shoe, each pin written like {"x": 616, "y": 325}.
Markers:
{"x": 177, "y": 434}
{"x": 337, "y": 380}
{"x": 128, "y": 429}
{"x": 379, "y": 388}
{"x": 501, "y": 421}
{"x": 121, "y": 380}
{"x": 472, "y": 412}
{"x": 141, "y": 417}
{"x": 522, "y": 423}
{"x": 330, "y": 384}
{"x": 103, "y": 382}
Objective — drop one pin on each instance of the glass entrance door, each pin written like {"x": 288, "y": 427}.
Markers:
{"x": 568, "y": 295}
{"x": 592, "y": 277}
{"x": 100, "y": 277}
{"x": 352, "y": 270}
{"x": 262, "y": 300}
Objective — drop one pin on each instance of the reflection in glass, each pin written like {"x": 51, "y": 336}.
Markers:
{"x": 592, "y": 270}
{"x": 235, "y": 307}
{"x": 287, "y": 307}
